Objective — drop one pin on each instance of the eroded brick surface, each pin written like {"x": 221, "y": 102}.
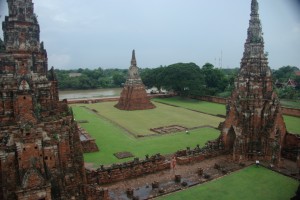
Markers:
{"x": 127, "y": 170}
{"x": 254, "y": 126}
{"x": 133, "y": 95}
{"x": 40, "y": 150}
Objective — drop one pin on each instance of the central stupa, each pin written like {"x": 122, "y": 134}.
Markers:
{"x": 133, "y": 95}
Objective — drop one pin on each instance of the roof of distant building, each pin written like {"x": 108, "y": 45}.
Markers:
{"x": 74, "y": 74}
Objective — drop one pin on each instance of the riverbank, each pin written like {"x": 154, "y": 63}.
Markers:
{"x": 89, "y": 94}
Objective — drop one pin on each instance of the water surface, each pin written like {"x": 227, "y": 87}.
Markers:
{"x": 92, "y": 93}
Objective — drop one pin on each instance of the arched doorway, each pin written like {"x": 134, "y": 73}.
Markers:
{"x": 230, "y": 139}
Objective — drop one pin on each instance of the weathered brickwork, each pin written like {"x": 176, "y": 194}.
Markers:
{"x": 291, "y": 147}
{"x": 198, "y": 154}
{"x": 87, "y": 142}
{"x": 254, "y": 126}
{"x": 133, "y": 95}
{"x": 40, "y": 149}
{"x": 119, "y": 172}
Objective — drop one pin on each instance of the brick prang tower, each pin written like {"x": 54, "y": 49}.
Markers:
{"x": 40, "y": 151}
{"x": 133, "y": 95}
{"x": 254, "y": 126}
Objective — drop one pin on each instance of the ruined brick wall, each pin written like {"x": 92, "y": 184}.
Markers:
{"x": 95, "y": 192}
{"x": 291, "y": 111}
{"x": 119, "y": 172}
{"x": 291, "y": 147}
{"x": 211, "y": 149}
{"x": 212, "y": 99}
{"x": 87, "y": 142}
{"x": 94, "y": 100}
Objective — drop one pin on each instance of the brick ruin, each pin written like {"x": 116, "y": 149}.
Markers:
{"x": 87, "y": 142}
{"x": 254, "y": 126}
{"x": 40, "y": 150}
{"x": 133, "y": 95}
{"x": 127, "y": 170}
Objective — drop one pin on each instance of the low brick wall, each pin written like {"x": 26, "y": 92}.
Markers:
{"x": 95, "y": 192}
{"x": 212, "y": 99}
{"x": 87, "y": 142}
{"x": 118, "y": 172}
{"x": 211, "y": 149}
{"x": 108, "y": 99}
{"x": 94, "y": 100}
{"x": 291, "y": 111}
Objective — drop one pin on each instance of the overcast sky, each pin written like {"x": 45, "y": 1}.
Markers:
{"x": 102, "y": 33}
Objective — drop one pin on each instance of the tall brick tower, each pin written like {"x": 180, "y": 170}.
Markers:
{"x": 254, "y": 126}
{"x": 133, "y": 95}
{"x": 40, "y": 151}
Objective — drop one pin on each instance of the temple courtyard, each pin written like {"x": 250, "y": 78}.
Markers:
{"x": 177, "y": 123}
{"x": 118, "y": 131}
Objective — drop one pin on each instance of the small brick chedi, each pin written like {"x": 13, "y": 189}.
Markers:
{"x": 254, "y": 126}
{"x": 134, "y": 95}
{"x": 40, "y": 151}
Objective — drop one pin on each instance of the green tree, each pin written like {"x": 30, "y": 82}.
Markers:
{"x": 283, "y": 74}
{"x": 183, "y": 78}
{"x": 119, "y": 79}
{"x": 215, "y": 79}
{"x": 153, "y": 77}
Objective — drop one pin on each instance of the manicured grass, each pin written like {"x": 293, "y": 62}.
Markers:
{"x": 140, "y": 122}
{"x": 193, "y": 104}
{"x": 111, "y": 139}
{"x": 290, "y": 103}
{"x": 292, "y": 123}
{"x": 247, "y": 184}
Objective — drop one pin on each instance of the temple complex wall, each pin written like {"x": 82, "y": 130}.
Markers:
{"x": 127, "y": 170}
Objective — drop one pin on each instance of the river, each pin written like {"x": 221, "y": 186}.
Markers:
{"x": 92, "y": 93}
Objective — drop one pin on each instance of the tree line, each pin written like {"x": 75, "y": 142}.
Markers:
{"x": 90, "y": 78}
{"x": 183, "y": 78}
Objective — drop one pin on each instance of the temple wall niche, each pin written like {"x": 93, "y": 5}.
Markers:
{"x": 24, "y": 108}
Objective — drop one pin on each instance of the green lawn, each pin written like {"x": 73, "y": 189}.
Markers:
{"x": 292, "y": 123}
{"x": 111, "y": 139}
{"x": 139, "y": 122}
{"x": 247, "y": 184}
{"x": 193, "y": 104}
{"x": 290, "y": 103}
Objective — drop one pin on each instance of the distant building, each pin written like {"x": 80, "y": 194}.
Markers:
{"x": 291, "y": 83}
{"x": 73, "y": 75}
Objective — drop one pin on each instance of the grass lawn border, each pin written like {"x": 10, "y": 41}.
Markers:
{"x": 193, "y": 190}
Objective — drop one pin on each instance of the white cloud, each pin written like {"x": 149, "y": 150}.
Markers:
{"x": 61, "y": 18}
{"x": 296, "y": 28}
{"x": 59, "y": 60}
